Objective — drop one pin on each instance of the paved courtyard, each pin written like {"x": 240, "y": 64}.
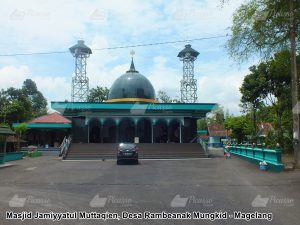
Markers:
{"x": 214, "y": 185}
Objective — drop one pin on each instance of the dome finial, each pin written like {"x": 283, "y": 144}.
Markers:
{"x": 132, "y": 68}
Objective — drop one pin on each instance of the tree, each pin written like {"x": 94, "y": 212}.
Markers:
{"x": 278, "y": 89}
{"x": 266, "y": 27}
{"x": 202, "y": 124}
{"x": 20, "y": 130}
{"x": 261, "y": 26}
{"x": 18, "y": 105}
{"x": 98, "y": 94}
{"x": 252, "y": 92}
{"x": 240, "y": 127}
{"x": 216, "y": 116}
{"x": 38, "y": 101}
{"x": 163, "y": 97}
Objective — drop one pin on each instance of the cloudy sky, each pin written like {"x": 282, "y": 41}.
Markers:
{"x": 46, "y": 26}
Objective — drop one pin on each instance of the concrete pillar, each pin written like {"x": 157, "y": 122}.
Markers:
{"x": 86, "y": 123}
{"x": 180, "y": 139}
{"x": 135, "y": 127}
{"x": 101, "y": 130}
{"x": 117, "y": 121}
{"x": 168, "y": 130}
{"x": 152, "y": 131}
{"x": 88, "y": 136}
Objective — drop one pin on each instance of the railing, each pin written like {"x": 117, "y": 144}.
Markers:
{"x": 255, "y": 154}
{"x": 64, "y": 147}
{"x": 203, "y": 144}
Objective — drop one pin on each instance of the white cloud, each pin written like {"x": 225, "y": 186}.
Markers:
{"x": 11, "y": 76}
{"x": 57, "y": 25}
{"x": 220, "y": 86}
{"x": 53, "y": 88}
{"x": 165, "y": 78}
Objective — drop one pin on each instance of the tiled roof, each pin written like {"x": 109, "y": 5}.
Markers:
{"x": 217, "y": 130}
{"x": 51, "y": 118}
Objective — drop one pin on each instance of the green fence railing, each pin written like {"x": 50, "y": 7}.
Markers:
{"x": 254, "y": 154}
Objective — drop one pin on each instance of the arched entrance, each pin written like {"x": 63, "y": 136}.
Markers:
{"x": 126, "y": 130}
{"x": 161, "y": 131}
{"x": 144, "y": 130}
{"x": 109, "y": 131}
{"x": 174, "y": 131}
{"x": 94, "y": 131}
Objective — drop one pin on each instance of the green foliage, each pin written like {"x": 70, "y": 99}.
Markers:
{"x": 202, "y": 124}
{"x": 23, "y": 104}
{"x": 98, "y": 94}
{"x": 163, "y": 97}
{"x": 252, "y": 92}
{"x": 261, "y": 26}
{"x": 38, "y": 101}
{"x": 240, "y": 127}
{"x": 21, "y": 128}
{"x": 217, "y": 116}
{"x": 266, "y": 96}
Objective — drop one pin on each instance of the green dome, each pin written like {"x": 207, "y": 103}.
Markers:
{"x": 132, "y": 87}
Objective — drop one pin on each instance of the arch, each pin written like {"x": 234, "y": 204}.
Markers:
{"x": 126, "y": 130}
{"x": 109, "y": 131}
{"x": 94, "y": 130}
{"x": 144, "y": 131}
{"x": 161, "y": 131}
{"x": 174, "y": 132}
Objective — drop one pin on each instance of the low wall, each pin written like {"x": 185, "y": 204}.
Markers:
{"x": 2, "y": 158}
{"x": 256, "y": 155}
{"x": 51, "y": 151}
{"x": 12, "y": 156}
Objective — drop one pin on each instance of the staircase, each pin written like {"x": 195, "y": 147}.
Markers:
{"x": 146, "y": 151}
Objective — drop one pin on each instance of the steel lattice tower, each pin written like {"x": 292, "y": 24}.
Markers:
{"x": 80, "y": 82}
{"x": 188, "y": 88}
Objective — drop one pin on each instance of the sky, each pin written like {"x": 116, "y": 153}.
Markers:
{"x": 47, "y": 26}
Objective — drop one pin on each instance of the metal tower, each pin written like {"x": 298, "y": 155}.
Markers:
{"x": 188, "y": 87}
{"x": 80, "y": 82}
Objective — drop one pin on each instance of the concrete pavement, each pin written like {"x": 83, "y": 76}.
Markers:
{"x": 47, "y": 184}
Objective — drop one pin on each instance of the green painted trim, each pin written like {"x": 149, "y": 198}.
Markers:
{"x": 201, "y": 131}
{"x": 256, "y": 155}
{"x": 132, "y": 106}
{"x": 12, "y": 156}
{"x": 46, "y": 125}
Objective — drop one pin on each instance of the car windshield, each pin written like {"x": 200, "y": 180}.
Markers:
{"x": 126, "y": 146}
